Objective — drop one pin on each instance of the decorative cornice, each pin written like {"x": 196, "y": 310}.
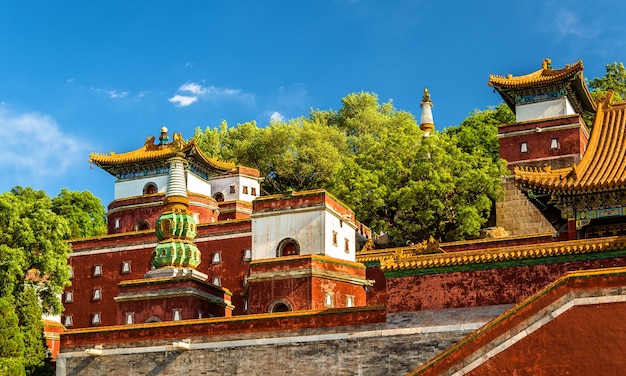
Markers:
{"x": 517, "y": 254}
{"x": 173, "y": 293}
{"x": 308, "y": 273}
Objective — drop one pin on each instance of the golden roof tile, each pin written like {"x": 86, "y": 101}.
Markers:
{"x": 523, "y": 252}
{"x": 545, "y": 75}
{"x": 602, "y": 167}
{"x": 570, "y": 78}
{"x": 150, "y": 152}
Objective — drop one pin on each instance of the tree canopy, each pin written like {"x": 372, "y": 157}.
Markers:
{"x": 614, "y": 79}
{"x": 33, "y": 266}
{"x": 376, "y": 159}
{"x": 83, "y": 211}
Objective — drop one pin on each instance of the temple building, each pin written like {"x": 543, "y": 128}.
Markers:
{"x": 202, "y": 274}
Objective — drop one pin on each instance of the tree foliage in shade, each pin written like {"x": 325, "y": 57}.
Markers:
{"x": 83, "y": 211}
{"x": 375, "y": 159}
{"x": 29, "y": 314}
{"x": 11, "y": 340}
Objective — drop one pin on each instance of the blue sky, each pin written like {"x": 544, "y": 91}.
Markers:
{"x": 85, "y": 76}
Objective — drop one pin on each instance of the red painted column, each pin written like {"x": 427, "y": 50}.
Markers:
{"x": 571, "y": 229}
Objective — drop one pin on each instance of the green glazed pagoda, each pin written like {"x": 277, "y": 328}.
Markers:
{"x": 176, "y": 227}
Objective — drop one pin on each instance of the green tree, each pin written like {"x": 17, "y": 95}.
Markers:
{"x": 35, "y": 236}
{"x": 294, "y": 155}
{"x": 614, "y": 79}
{"x": 83, "y": 211}
{"x": 29, "y": 314}
{"x": 448, "y": 195}
{"x": 372, "y": 157}
{"x": 11, "y": 340}
{"x": 478, "y": 133}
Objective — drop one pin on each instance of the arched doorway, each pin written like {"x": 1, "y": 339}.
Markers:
{"x": 288, "y": 247}
{"x": 150, "y": 188}
{"x": 280, "y": 305}
{"x": 143, "y": 225}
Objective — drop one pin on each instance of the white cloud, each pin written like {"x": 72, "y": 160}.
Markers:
{"x": 191, "y": 92}
{"x": 569, "y": 22}
{"x": 276, "y": 116}
{"x": 116, "y": 94}
{"x": 35, "y": 149}
{"x": 113, "y": 94}
{"x": 193, "y": 88}
{"x": 182, "y": 100}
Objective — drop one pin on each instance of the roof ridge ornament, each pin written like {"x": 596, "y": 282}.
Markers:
{"x": 547, "y": 63}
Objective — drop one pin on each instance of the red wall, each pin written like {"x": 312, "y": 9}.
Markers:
{"x": 479, "y": 287}
{"x": 585, "y": 340}
{"x": 151, "y": 208}
{"x": 306, "y": 291}
{"x": 137, "y": 248}
{"x": 222, "y": 326}
{"x": 571, "y": 140}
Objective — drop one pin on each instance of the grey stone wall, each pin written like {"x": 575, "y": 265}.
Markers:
{"x": 517, "y": 215}
{"x": 405, "y": 341}
{"x": 393, "y": 355}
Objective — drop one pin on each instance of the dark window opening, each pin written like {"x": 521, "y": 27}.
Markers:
{"x": 288, "y": 247}
{"x": 149, "y": 189}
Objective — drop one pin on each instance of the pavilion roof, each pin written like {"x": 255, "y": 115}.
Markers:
{"x": 602, "y": 167}
{"x": 571, "y": 77}
{"x": 151, "y": 153}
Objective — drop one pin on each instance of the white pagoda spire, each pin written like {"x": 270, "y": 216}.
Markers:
{"x": 427, "y": 124}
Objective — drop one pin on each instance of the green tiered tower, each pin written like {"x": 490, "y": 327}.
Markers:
{"x": 176, "y": 227}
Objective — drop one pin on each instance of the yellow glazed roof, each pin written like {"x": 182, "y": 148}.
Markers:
{"x": 545, "y": 75}
{"x": 603, "y": 166}
{"x": 544, "y": 81}
{"x": 510, "y": 253}
{"x": 155, "y": 152}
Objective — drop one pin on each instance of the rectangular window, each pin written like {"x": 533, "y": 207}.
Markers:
{"x": 523, "y": 147}
{"x": 196, "y": 217}
{"x": 554, "y": 143}
{"x": 95, "y": 319}
{"x": 247, "y": 254}
{"x": 232, "y": 190}
{"x": 125, "y": 267}
{"x": 347, "y": 245}
{"x": 217, "y": 258}
{"x": 97, "y": 270}
{"x": 69, "y": 297}
{"x": 130, "y": 318}
{"x": 71, "y": 270}
{"x": 328, "y": 300}
{"x": 335, "y": 238}
{"x": 245, "y": 190}
{"x": 177, "y": 314}
{"x": 349, "y": 301}
{"x": 200, "y": 314}
{"x": 216, "y": 281}
{"x": 69, "y": 321}
{"x": 245, "y": 305}
{"x": 117, "y": 223}
{"x": 97, "y": 294}
{"x": 253, "y": 191}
